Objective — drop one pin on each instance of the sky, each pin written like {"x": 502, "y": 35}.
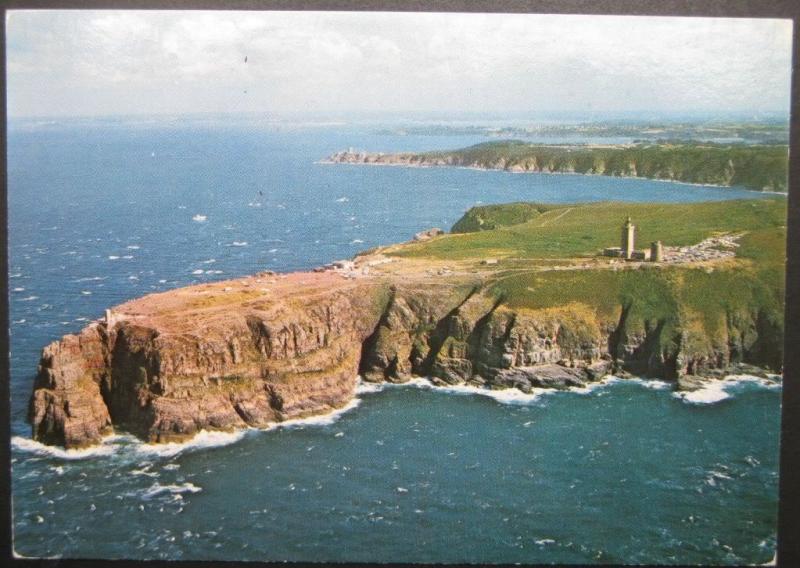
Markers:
{"x": 93, "y": 63}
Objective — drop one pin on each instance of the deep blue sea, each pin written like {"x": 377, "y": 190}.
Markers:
{"x": 101, "y": 212}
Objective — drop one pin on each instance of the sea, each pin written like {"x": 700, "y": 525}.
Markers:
{"x": 104, "y": 210}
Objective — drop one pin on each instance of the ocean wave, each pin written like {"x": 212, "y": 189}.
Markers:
{"x": 157, "y": 489}
{"x": 202, "y": 440}
{"x": 199, "y": 218}
{"x": 321, "y": 420}
{"x": 32, "y": 446}
{"x": 717, "y": 390}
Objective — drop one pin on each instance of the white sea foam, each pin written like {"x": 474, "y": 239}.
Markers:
{"x": 356, "y": 241}
{"x": 209, "y": 261}
{"x": 321, "y": 420}
{"x": 272, "y": 250}
{"x": 20, "y": 289}
{"x": 203, "y": 439}
{"x": 239, "y": 244}
{"x": 113, "y": 257}
{"x": 714, "y": 391}
{"x": 198, "y": 271}
{"x": 86, "y": 292}
{"x": 367, "y": 388}
{"x": 199, "y": 218}
{"x": 158, "y": 489}
{"x": 132, "y": 247}
{"x": 29, "y": 299}
{"x": 342, "y": 200}
{"x": 32, "y": 446}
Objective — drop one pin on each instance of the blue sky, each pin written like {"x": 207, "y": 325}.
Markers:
{"x": 85, "y": 63}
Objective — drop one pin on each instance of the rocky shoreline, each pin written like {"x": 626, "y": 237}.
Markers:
{"x": 272, "y": 347}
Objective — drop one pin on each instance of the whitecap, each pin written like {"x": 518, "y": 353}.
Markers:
{"x": 86, "y": 292}
{"x": 128, "y": 256}
{"x": 366, "y": 388}
{"x": 239, "y": 244}
{"x": 15, "y": 275}
{"x": 356, "y": 241}
{"x": 199, "y": 218}
{"x": 29, "y": 298}
{"x": 113, "y": 257}
{"x": 133, "y": 247}
{"x": 19, "y": 290}
{"x": 158, "y": 489}
{"x": 342, "y": 200}
{"x": 19, "y": 321}
{"x": 272, "y": 250}
{"x": 503, "y": 396}
{"x": 321, "y": 420}
{"x": 34, "y": 447}
{"x": 716, "y": 390}
{"x": 543, "y": 541}
{"x": 201, "y": 440}
{"x": 209, "y": 261}
{"x": 198, "y": 271}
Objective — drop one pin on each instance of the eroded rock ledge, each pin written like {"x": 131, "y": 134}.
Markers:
{"x": 267, "y": 348}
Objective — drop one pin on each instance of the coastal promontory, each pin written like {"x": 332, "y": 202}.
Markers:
{"x": 762, "y": 167}
{"x": 515, "y": 296}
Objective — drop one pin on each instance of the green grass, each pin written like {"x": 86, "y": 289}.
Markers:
{"x": 703, "y": 305}
{"x": 568, "y": 231}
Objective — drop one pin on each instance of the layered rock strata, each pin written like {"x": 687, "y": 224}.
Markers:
{"x": 259, "y": 350}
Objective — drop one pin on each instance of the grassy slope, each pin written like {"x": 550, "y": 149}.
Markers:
{"x": 757, "y": 166}
{"x": 705, "y": 304}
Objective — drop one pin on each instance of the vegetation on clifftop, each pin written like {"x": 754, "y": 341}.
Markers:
{"x": 696, "y": 308}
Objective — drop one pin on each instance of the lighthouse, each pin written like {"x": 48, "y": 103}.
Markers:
{"x": 628, "y": 234}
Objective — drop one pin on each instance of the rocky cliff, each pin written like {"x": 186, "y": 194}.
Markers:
{"x": 266, "y": 348}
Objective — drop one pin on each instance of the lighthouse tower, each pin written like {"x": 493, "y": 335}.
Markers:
{"x": 628, "y": 234}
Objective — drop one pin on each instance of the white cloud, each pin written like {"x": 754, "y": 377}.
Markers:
{"x": 84, "y": 62}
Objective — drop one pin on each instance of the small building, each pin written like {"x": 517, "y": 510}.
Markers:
{"x": 656, "y": 251}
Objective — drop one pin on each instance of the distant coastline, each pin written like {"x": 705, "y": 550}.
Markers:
{"x": 762, "y": 168}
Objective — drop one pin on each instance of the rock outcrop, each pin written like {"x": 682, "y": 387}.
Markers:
{"x": 264, "y": 349}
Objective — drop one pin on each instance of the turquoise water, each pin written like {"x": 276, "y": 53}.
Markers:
{"x": 102, "y": 213}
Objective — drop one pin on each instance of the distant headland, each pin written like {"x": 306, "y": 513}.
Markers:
{"x": 761, "y": 167}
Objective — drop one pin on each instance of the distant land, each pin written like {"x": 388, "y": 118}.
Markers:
{"x": 761, "y": 167}
{"x": 764, "y": 132}
{"x": 516, "y": 296}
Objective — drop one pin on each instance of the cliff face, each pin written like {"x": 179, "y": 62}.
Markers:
{"x": 219, "y": 358}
